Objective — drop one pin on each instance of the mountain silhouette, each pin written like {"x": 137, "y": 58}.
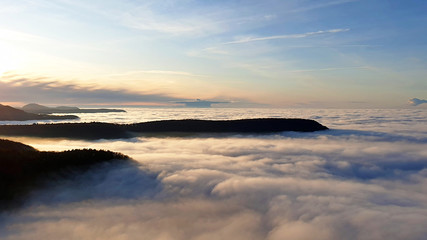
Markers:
{"x": 8, "y": 113}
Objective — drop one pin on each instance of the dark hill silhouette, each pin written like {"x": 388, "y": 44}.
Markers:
{"x": 90, "y": 131}
{"x": 40, "y": 109}
{"x": 257, "y": 125}
{"x": 23, "y": 168}
{"x": 8, "y": 113}
{"x": 111, "y": 131}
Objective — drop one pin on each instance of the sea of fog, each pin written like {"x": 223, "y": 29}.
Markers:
{"x": 366, "y": 178}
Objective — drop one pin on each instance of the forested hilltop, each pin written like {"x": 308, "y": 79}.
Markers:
{"x": 23, "y": 168}
{"x": 96, "y": 130}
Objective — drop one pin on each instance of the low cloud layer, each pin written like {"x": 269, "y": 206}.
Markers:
{"x": 343, "y": 184}
{"x": 416, "y": 101}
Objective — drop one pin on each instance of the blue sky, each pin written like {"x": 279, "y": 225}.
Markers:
{"x": 332, "y": 53}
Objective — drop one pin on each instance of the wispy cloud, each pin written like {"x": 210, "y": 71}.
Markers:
{"x": 288, "y": 36}
{"x": 322, "y": 5}
{"x": 191, "y": 19}
{"x": 173, "y": 19}
{"x": 150, "y": 22}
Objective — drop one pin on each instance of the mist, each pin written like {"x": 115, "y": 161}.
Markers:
{"x": 359, "y": 183}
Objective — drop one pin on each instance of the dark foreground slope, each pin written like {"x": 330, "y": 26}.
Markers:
{"x": 111, "y": 131}
{"x": 8, "y": 113}
{"x": 23, "y": 168}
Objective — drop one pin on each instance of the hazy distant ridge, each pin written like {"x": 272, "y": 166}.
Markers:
{"x": 8, "y": 113}
{"x": 40, "y": 109}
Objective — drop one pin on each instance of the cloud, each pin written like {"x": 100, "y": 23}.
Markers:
{"x": 341, "y": 184}
{"x": 175, "y": 19}
{"x": 44, "y": 90}
{"x": 192, "y": 19}
{"x": 146, "y": 20}
{"x": 322, "y": 5}
{"x": 416, "y": 101}
{"x": 156, "y": 87}
{"x": 109, "y": 175}
{"x": 289, "y": 36}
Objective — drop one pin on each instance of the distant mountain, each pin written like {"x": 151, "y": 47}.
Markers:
{"x": 8, "y": 113}
{"x": 40, "y": 109}
{"x": 23, "y": 168}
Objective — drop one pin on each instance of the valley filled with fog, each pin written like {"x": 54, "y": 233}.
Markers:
{"x": 365, "y": 178}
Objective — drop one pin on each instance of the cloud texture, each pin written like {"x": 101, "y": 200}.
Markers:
{"x": 337, "y": 185}
{"x": 302, "y": 35}
{"x": 45, "y": 90}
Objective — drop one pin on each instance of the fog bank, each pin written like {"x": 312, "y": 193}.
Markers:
{"x": 347, "y": 184}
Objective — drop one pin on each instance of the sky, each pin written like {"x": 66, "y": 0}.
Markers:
{"x": 296, "y": 53}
